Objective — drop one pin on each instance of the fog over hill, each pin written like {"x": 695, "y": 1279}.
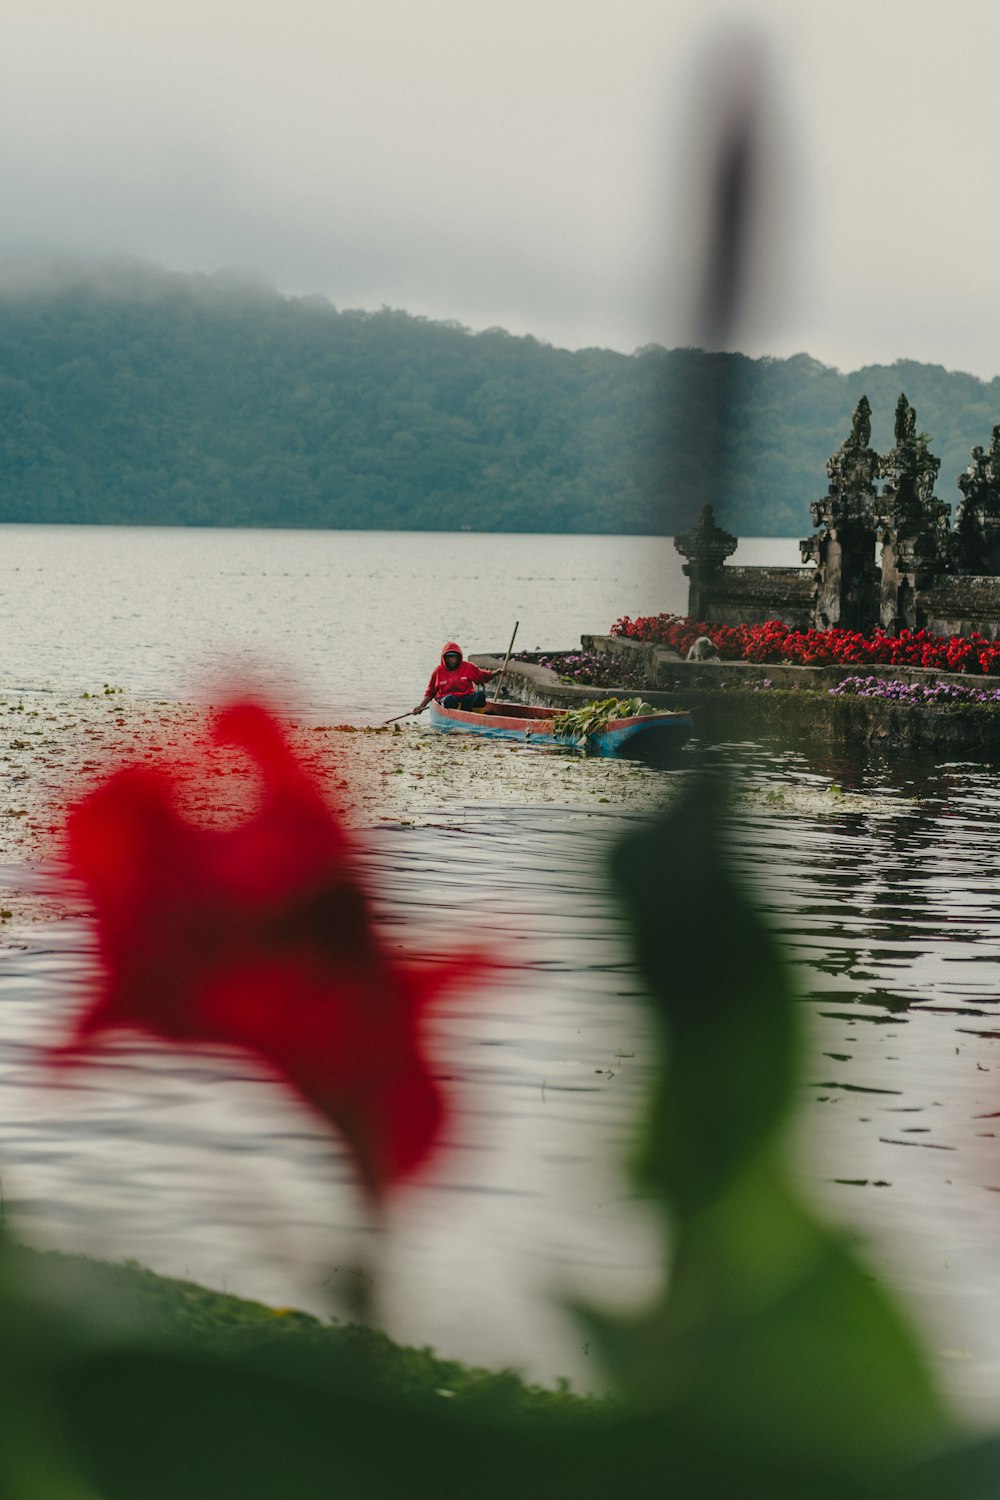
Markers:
{"x": 133, "y": 395}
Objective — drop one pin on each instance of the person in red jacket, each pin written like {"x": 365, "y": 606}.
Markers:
{"x": 455, "y": 683}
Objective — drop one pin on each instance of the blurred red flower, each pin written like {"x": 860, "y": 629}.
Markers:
{"x": 259, "y": 936}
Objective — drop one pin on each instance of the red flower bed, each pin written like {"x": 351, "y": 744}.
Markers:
{"x": 773, "y": 642}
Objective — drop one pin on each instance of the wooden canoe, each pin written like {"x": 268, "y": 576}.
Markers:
{"x": 648, "y": 736}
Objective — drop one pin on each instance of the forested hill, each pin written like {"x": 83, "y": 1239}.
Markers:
{"x": 137, "y": 396}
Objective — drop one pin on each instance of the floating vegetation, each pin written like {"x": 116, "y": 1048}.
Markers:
{"x": 813, "y": 802}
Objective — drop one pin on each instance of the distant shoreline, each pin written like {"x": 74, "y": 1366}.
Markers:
{"x": 639, "y": 536}
{"x": 135, "y": 396}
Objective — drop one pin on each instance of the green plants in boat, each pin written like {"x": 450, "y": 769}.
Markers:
{"x": 580, "y": 723}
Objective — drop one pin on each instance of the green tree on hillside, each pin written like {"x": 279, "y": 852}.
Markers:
{"x": 149, "y": 398}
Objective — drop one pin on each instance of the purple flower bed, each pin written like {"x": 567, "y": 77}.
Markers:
{"x": 587, "y": 668}
{"x": 910, "y": 692}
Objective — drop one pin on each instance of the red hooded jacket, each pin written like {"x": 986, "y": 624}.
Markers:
{"x": 465, "y": 678}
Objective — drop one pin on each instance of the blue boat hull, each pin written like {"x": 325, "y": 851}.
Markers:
{"x": 646, "y": 737}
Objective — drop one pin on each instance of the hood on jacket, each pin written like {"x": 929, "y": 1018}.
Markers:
{"x": 451, "y": 646}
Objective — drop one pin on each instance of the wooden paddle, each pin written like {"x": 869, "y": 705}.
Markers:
{"x": 407, "y": 715}
{"x": 505, "y": 661}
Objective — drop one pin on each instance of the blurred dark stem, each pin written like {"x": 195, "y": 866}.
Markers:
{"x": 732, "y": 124}
{"x": 733, "y": 190}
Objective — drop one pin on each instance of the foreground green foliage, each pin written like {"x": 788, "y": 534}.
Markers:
{"x": 185, "y": 1316}
{"x": 134, "y": 396}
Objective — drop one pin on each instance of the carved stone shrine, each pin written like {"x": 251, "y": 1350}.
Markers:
{"x": 878, "y": 558}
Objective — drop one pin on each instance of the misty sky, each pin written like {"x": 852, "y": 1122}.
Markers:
{"x": 532, "y": 164}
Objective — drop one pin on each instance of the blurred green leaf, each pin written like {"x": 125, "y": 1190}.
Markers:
{"x": 721, "y": 994}
{"x": 37, "y": 1460}
{"x": 771, "y": 1337}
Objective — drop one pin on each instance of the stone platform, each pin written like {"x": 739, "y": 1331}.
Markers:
{"x": 729, "y": 700}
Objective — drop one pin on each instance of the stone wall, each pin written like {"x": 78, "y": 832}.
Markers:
{"x": 946, "y": 604}
{"x": 749, "y": 596}
{"x": 943, "y": 603}
{"x": 957, "y": 605}
{"x": 955, "y": 728}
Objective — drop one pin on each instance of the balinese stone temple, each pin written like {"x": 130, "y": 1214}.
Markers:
{"x": 880, "y": 557}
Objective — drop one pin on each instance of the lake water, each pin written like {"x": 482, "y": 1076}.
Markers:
{"x": 891, "y": 917}
{"x": 347, "y": 622}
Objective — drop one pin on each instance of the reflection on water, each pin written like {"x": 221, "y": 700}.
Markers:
{"x": 892, "y": 919}
{"x": 893, "y": 922}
